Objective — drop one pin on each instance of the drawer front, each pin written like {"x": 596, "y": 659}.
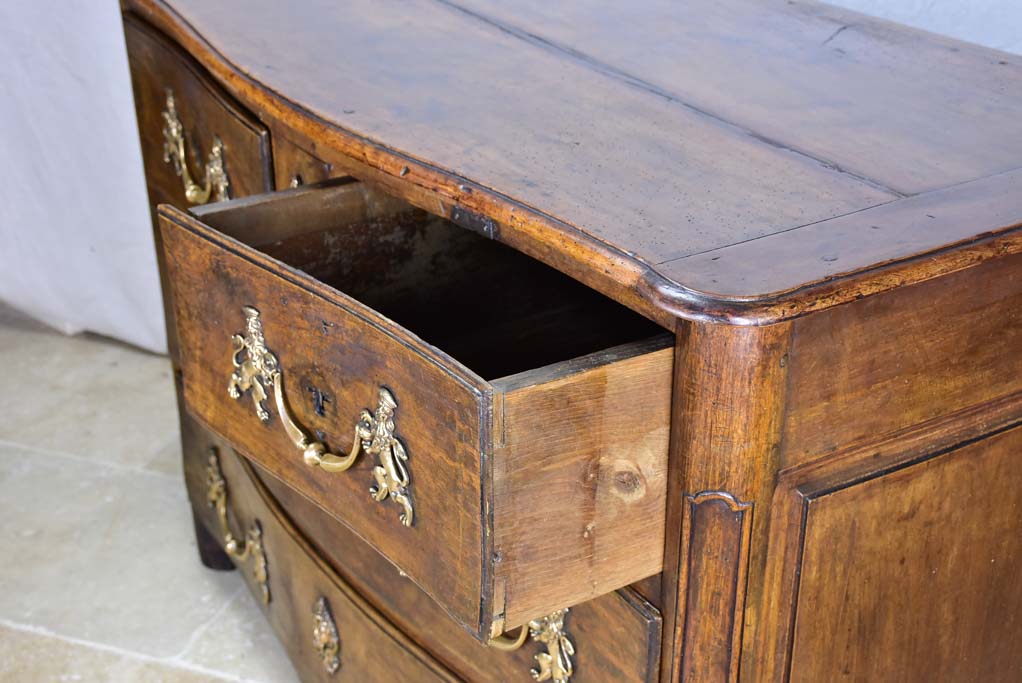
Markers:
{"x": 294, "y": 166}
{"x": 615, "y": 637}
{"x": 330, "y": 632}
{"x": 206, "y": 114}
{"x": 336, "y": 356}
{"x": 504, "y": 499}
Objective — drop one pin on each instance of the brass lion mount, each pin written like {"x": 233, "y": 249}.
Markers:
{"x": 216, "y": 497}
{"x": 555, "y": 664}
{"x": 216, "y": 185}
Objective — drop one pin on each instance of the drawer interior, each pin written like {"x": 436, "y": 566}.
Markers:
{"x": 496, "y": 310}
{"x": 535, "y": 412}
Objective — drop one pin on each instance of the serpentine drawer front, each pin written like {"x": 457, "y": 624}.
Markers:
{"x": 198, "y": 145}
{"x": 496, "y": 430}
{"x": 331, "y": 633}
{"x": 615, "y": 637}
{"x": 446, "y": 374}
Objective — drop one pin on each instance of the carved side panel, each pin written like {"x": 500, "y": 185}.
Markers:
{"x": 729, "y": 390}
{"x": 716, "y": 530}
{"x": 898, "y": 559}
{"x": 913, "y": 574}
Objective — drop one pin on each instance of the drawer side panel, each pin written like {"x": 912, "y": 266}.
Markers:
{"x": 580, "y": 484}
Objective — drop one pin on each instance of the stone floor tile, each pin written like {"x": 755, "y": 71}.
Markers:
{"x": 239, "y": 641}
{"x": 99, "y": 574}
{"x": 167, "y": 458}
{"x": 103, "y": 554}
{"x": 30, "y": 656}
{"x": 84, "y": 395}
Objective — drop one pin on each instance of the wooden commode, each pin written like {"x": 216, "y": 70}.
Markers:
{"x": 619, "y": 342}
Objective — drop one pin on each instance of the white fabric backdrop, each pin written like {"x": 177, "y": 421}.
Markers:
{"x": 75, "y": 243}
{"x": 994, "y": 23}
{"x": 76, "y": 249}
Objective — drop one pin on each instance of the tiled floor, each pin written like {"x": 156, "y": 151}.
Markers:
{"x": 99, "y": 576}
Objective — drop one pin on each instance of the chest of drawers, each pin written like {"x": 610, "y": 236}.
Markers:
{"x": 669, "y": 343}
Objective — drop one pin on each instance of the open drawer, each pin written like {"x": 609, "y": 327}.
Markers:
{"x": 495, "y": 429}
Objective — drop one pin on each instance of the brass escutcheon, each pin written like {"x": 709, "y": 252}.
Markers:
{"x": 324, "y": 636}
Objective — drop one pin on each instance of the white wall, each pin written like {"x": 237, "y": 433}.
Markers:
{"x": 75, "y": 243}
{"x": 76, "y": 247}
{"x": 994, "y": 23}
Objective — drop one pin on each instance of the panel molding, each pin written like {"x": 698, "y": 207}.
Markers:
{"x": 716, "y": 533}
{"x": 771, "y": 650}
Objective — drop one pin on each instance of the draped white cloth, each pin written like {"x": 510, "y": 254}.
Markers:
{"x": 994, "y": 23}
{"x": 76, "y": 246}
{"x": 76, "y": 249}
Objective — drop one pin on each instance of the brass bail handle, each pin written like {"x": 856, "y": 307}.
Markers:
{"x": 215, "y": 182}
{"x": 256, "y": 368}
{"x": 508, "y": 643}
{"x": 314, "y": 453}
{"x": 555, "y": 664}
{"x": 216, "y": 498}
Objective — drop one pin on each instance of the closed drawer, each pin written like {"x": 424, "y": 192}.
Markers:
{"x": 615, "y": 638}
{"x": 208, "y": 118}
{"x": 329, "y": 631}
{"x": 507, "y": 426}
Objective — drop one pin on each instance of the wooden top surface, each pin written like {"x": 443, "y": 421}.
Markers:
{"x": 739, "y": 159}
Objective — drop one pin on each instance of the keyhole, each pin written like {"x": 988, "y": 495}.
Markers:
{"x": 319, "y": 401}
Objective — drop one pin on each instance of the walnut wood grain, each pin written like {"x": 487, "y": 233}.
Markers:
{"x": 880, "y": 94}
{"x": 204, "y": 109}
{"x": 616, "y": 636}
{"x": 509, "y": 93}
{"x": 768, "y": 647}
{"x": 924, "y": 226}
{"x": 681, "y": 182}
{"x": 837, "y": 246}
{"x": 496, "y": 311}
{"x": 547, "y": 535}
{"x": 887, "y": 362}
{"x": 293, "y": 164}
{"x": 274, "y": 220}
{"x": 716, "y": 532}
{"x": 872, "y": 387}
{"x": 913, "y": 575}
{"x": 346, "y": 352}
{"x": 730, "y": 384}
{"x": 650, "y": 589}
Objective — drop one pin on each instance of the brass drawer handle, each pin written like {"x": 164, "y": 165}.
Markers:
{"x": 215, "y": 182}
{"x": 256, "y": 368}
{"x": 553, "y": 665}
{"x": 216, "y": 497}
{"x": 324, "y": 636}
